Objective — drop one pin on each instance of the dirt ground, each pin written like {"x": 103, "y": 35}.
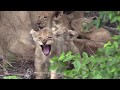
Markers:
{"x": 21, "y": 68}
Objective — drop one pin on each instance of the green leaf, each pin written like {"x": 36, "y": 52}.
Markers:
{"x": 92, "y": 59}
{"x": 115, "y": 37}
{"x": 110, "y": 16}
{"x": 98, "y": 23}
{"x": 63, "y": 64}
{"x": 53, "y": 67}
{"x": 77, "y": 56}
{"x": 55, "y": 58}
{"x": 115, "y": 44}
{"x": 118, "y": 18}
{"x": 77, "y": 65}
{"x": 98, "y": 77}
{"x": 68, "y": 54}
{"x": 68, "y": 58}
{"x": 113, "y": 69}
{"x": 68, "y": 74}
{"x": 11, "y": 77}
{"x": 85, "y": 76}
{"x": 62, "y": 56}
{"x": 114, "y": 19}
{"x": 85, "y": 55}
{"x": 102, "y": 66}
{"x": 108, "y": 43}
{"x": 118, "y": 27}
{"x": 94, "y": 22}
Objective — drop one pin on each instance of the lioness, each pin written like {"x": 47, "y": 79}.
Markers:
{"x": 14, "y": 33}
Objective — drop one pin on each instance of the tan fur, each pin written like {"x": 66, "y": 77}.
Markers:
{"x": 100, "y": 35}
{"x": 41, "y": 17}
{"x": 61, "y": 18}
{"x": 14, "y": 32}
{"x": 88, "y": 46}
{"x": 75, "y": 15}
{"x": 60, "y": 41}
{"x": 78, "y": 24}
{"x": 14, "y": 36}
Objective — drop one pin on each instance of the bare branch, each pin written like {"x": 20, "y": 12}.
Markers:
{"x": 113, "y": 30}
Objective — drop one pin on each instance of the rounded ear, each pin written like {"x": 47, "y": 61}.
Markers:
{"x": 58, "y": 15}
{"x": 72, "y": 34}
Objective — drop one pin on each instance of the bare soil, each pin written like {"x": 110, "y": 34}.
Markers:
{"x": 20, "y": 68}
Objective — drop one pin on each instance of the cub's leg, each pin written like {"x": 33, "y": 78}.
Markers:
{"x": 40, "y": 71}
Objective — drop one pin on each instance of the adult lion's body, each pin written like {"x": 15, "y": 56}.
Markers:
{"x": 14, "y": 32}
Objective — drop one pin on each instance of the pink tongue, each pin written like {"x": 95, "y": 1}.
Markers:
{"x": 46, "y": 49}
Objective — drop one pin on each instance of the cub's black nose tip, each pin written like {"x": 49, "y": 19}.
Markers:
{"x": 44, "y": 42}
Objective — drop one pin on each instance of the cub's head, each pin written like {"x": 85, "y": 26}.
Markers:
{"x": 44, "y": 39}
{"x": 64, "y": 34}
{"x": 47, "y": 38}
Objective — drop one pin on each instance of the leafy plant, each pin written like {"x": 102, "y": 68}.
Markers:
{"x": 107, "y": 16}
{"x": 104, "y": 65}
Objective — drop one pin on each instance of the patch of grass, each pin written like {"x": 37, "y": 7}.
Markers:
{"x": 11, "y": 77}
{"x": 10, "y": 59}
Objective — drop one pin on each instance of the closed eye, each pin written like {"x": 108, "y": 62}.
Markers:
{"x": 49, "y": 37}
{"x": 38, "y": 23}
{"x": 57, "y": 35}
{"x": 39, "y": 38}
{"x": 45, "y": 17}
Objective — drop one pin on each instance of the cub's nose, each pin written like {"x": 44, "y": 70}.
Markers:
{"x": 44, "y": 41}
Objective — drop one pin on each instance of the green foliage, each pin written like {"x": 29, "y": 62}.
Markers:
{"x": 11, "y": 59}
{"x": 104, "y": 65}
{"x": 11, "y": 77}
{"x": 105, "y": 16}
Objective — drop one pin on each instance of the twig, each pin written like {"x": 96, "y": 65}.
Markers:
{"x": 113, "y": 30}
{"x": 1, "y": 66}
{"x": 91, "y": 50}
{"x": 8, "y": 63}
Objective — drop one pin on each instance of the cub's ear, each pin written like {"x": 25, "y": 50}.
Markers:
{"x": 58, "y": 15}
{"x": 72, "y": 34}
{"x": 33, "y": 32}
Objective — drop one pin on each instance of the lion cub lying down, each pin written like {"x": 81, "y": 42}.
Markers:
{"x": 50, "y": 42}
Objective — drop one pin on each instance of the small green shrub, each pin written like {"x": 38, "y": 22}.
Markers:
{"x": 108, "y": 16}
{"x": 11, "y": 77}
{"x": 103, "y": 65}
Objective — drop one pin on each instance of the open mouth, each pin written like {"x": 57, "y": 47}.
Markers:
{"x": 46, "y": 49}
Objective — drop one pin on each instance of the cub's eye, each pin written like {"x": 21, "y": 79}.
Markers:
{"x": 49, "y": 37}
{"x": 39, "y": 38}
{"x": 57, "y": 35}
{"x": 38, "y": 23}
{"x": 94, "y": 18}
{"x": 45, "y": 17}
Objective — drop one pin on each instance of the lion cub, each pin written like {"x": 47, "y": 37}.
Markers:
{"x": 50, "y": 42}
{"x": 100, "y": 35}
